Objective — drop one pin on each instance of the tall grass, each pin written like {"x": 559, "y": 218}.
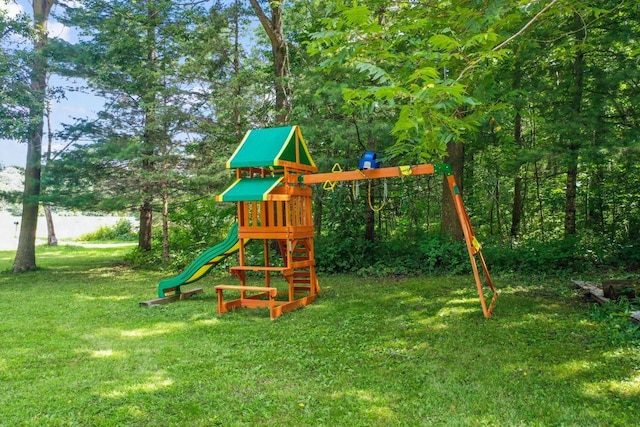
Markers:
{"x": 78, "y": 350}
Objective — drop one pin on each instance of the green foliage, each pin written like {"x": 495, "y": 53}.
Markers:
{"x": 413, "y": 61}
{"x": 199, "y": 224}
{"x": 533, "y": 256}
{"x": 17, "y": 96}
{"x": 11, "y": 183}
{"x": 122, "y": 230}
{"x": 558, "y": 256}
{"x": 153, "y": 138}
{"x": 339, "y": 254}
{"x": 393, "y": 77}
{"x": 615, "y": 317}
{"x": 424, "y": 254}
{"x": 194, "y": 227}
{"x": 147, "y": 260}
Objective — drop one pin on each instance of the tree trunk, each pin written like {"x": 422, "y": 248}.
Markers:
{"x": 236, "y": 72}
{"x": 144, "y": 235}
{"x": 317, "y": 212}
{"x": 570, "y": 198}
{"x": 369, "y": 214}
{"x": 575, "y": 136}
{"x": 516, "y": 211}
{"x": 273, "y": 28}
{"x": 536, "y": 174}
{"x": 450, "y": 226}
{"x": 370, "y": 217}
{"x": 517, "y": 208}
{"x": 165, "y": 225}
{"x": 150, "y": 137}
{"x": 25, "y": 259}
{"x": 496, "y": 196}
{"x": 52, "y": 240}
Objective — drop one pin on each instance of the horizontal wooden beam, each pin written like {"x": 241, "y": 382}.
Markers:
{"x": 170, "y": 298}
{"x": 267, "y": 290}
{"x": 390, "y": 172}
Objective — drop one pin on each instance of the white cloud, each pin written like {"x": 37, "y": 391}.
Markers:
{"x": 73, "y": 3}
{"x": 12, "y": 9}
{"x": 58, "y": 30}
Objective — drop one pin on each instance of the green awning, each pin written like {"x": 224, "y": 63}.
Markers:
{"x": 267, "y": 147}
{"x": 249, "y": 189}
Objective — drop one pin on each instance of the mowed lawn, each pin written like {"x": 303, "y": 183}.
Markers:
{"x": 76, "y": 349}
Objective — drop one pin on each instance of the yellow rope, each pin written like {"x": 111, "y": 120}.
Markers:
{"x": 384, "y": 202}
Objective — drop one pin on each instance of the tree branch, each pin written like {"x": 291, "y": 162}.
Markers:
{"x": 524, "y": 28}
{"x": 504, "y": 43}
{"x": 266, "y": 23}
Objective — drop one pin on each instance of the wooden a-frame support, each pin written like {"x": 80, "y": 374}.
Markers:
{"x": 473, "y": 246}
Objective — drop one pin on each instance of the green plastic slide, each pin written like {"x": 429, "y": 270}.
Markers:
{"x": 201, "y": 266}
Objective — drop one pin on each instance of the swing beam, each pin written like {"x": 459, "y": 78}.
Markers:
{"x": 389, "y": 172}
{"x": 473, "y": 246}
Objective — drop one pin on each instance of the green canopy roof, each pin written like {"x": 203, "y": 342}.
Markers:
{"x": 249, "y": 189}
{"x": 268, "y": 147}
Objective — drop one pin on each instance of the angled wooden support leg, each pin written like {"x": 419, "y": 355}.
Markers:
{"x": 473, "y": 248}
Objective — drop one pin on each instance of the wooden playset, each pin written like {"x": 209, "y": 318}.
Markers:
{"x": 274, "y": 173}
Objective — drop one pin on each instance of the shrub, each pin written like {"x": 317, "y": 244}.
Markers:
{"x": 193, "y": 228}
{"x": 398, "y": 256}
{"x": 573, "y": 254}
{"x": 199, "y": 224}
{"x": 531, "y": 256}
{"x": 122, "y": 230}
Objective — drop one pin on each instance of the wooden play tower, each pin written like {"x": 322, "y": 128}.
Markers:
{"x": 273, "y": 206}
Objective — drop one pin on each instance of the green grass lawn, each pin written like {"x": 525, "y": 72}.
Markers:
{"x": 76, "y": 349}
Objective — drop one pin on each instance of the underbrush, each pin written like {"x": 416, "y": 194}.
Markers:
{"x": 573, "y": 254}
{"x": 615, "y": 315}
{"x": 430, "y": 254}
{"x": 433, "y": 254}
{"x": 121, "y": 231}
{"x": 344, "y": 250}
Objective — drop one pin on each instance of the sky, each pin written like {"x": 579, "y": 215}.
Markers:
{"x": 76, "y": 104}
